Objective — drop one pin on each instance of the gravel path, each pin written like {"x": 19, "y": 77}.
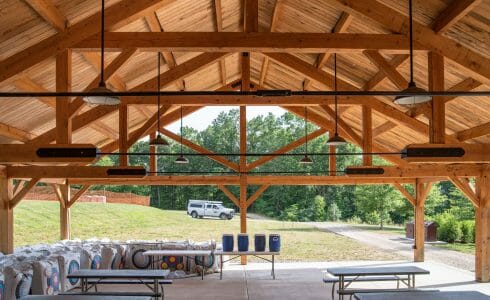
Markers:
{"x": 395, "y": 242}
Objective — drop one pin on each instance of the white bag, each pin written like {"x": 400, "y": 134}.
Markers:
{"x": 46, "y": 277}
{"x": 69, "y": 263}
{"x": 18, "y": 281}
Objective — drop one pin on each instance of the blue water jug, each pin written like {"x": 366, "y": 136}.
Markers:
{"x": 242, "y": 242}
{"x": 274, "y": 243}
{"x": 259, "y": 242}
{"x": 228, "y": 242}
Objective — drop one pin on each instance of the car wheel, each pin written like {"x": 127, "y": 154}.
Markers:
{"x": 222, "y": 216}
{"x": 230, "y": 217}
{"x": 194, "y": 214}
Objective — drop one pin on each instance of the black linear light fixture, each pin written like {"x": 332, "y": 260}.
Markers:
{"x": 412, "y": 87}
{"x": 106, "y": 98}
{"x": 336, "y": 139}
{"x": 306, "y": 159}
{"x": 158, "y": 140}
{"x": 181, "y": 159}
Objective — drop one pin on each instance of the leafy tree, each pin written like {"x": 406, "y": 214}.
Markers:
{"x": 376, "y": 198}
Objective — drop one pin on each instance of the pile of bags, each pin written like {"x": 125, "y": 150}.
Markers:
{"x": 42, "y": 269}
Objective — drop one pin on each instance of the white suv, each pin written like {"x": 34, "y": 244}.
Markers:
{"x": 204, "y": 208}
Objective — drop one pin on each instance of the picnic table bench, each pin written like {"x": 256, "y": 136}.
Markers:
{"x": 354, "y": 274}
{"x": 80, "y": 297}
{"x": 421, "y": 295}
{"x": 349, "y": 280}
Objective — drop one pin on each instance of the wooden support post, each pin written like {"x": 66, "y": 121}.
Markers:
{"x": 65, "y": 214}
{"x": 63, "y": 130}
{"x": 243, "y": 150}
{"x": 243, "y": 211}
{"x": 482, "y": 230}
{"x": 421, "y": 192}
{"x": 436, "y": 83}
{"x": 6, "y": 213}
{"x": 123, "y": 134}
{"x": 367, "y": 135}
{"x": 332, "y": 161}
{"x": 153, "y": 157}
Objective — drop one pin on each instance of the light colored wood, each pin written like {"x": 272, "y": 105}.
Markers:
{"x": 219, "y": 27}
{"x": 123, "y": 134}
{"x": 229, "y": 195}
{"x": 23, "y": 192}
{"x": 474, "y": 132}
{"x": 50, "y": 13}
{"x": 367, "y": 135}
{"x": 124, "y": 10}
{"x": 272, "y": 27}
{"x": 383, "y": 65}
{"x": 395, "y": 62}
{"x": 105, "y": 130}
{"x": 65, "y": 172}
{"x": 243, "y": 211}
{"x": 15, "y": 133}
{"x": 245, "y": 69}
{"x": 6, "y": 214}
{"x": 114, "y": 81}
{"x": 482, "y": 230}
{"x": 474, "y": 63}
{"x": 251, "y": 42}
{"x": 18, "y": 184}
{"x": 474, "y": 153}
{"x": 332, "y": 160}
{"x": 285, "y": 149}
{"x": 436, "y": 83}
{"x": 426, "y": 170}
{"x": 257, "y": 194}
{"x": 386, "y": 126}
{"x": 65, "y": 213}
{"x": 152, "y": 157}
{"x": 452, "y": 14}
{"x": 220, "y": 159}
{"x": 26, "y": 84}
{"x": 422, "y": 190}
{"x": 466, "y": 189}
{"x": 77, "y": 196}
{"x": 18, "y": 153}
{"x": 63, "y": 84}
{"x": 405, "y": 193}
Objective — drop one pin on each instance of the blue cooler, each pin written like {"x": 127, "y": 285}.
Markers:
{"x": 228, "y": 242}
{"x": 274, "y": 242}
{"x": 259, "y": 242}
{"x": 242, "y": 242}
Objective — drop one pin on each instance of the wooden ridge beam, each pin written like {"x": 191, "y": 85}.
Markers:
{"x": 474, "y": 62}
{"x": 455, "y": 11}
{"x": 66, "y": 172}
{"x": 286, "y": 148}
{"x": 473, "y": 132}
{"x": 23, "y": 192}
{"x": 229, "y": 194}
{"x": 220, "y": 159}
{"x": 127, "y": 10}
{"x": 250, "y": 42}
{"x": 257, "y": 194}
{"x": 466, "y": 189}
{"x": 48, "y": 11}
{"x": 405, "y": 193}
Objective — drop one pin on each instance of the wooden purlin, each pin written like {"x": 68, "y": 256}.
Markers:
{"x": 452, "y": 14}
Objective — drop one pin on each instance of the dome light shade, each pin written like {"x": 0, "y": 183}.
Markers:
{"x": 159, "y": 141}
{"x": 103, "y": 99}
{"x": 415, "y": 99}
{"x": 181, "y": 160}
{"x": 306, "y": 160}
{"x": 336, "y": 140}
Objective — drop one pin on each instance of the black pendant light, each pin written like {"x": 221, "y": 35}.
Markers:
{"x": 181, "y": 159}
{"x": 336, "y": 139}
{"x": 158, "y": 140}
{"x": 106, "y": 99}
{"x": 306, "y": 159}
{"x": 412, "y": 87}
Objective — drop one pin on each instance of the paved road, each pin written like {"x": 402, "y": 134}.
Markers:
{"x": 403, "y": 247}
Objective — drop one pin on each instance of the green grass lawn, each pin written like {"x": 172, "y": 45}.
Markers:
{"x": 38, "y": 221}
{"x": 389, "y": 229}
{"x": 465, "y": 248}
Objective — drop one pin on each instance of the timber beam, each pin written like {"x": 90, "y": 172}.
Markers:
{"x": 18, "y": 153}
{"x": 423, "y": 170}
{"x": 73, "y": 172}
{"x": 471, "y": 153}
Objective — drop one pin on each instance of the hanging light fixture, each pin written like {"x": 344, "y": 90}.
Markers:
{"x": 158, "y": 140}
{"x": 306, "y": 159}
{"x": 412, "y": 87}
{"x": 336, "y": 139}
{"x": 181, "y": 159}
{"x": 106, "y": 99}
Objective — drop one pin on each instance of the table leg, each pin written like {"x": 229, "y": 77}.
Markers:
{"x": 273, "y": 272}
{"x": 203, "y": 268}
{"x": 413, "y": 280}
{"x": 155, "y": 287}
{"x": 221, "y": 267}
{"x": 409, "y": 280}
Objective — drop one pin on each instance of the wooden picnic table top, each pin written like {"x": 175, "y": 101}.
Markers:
{"x": 433, "y": 295}
{"x": 81, "y": 297}
{"x": 221, "y": 252}
{"x": 371, "y": 271}
{"x": 177, "y": 252}
{"x": 121, "y": 274}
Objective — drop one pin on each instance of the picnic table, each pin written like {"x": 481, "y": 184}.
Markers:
{"x": 453, "y": 295}
{"x": 361, "y": 272}
{"x": 191, "y": 254}
{"x": 80, "y": 297}
{"x": 150, "y": 278}
{"x": 236, "y": 254}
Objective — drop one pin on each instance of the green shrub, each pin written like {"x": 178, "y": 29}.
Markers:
{"x": 334, "y": 213}
{"x": 448, "y": 228}
{"x": 355, "y": 220}
{"x": 373, "y": 218}
{"x": 467, "y": 232}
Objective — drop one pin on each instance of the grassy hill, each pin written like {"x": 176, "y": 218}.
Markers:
{"x": 38, "y": 221}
